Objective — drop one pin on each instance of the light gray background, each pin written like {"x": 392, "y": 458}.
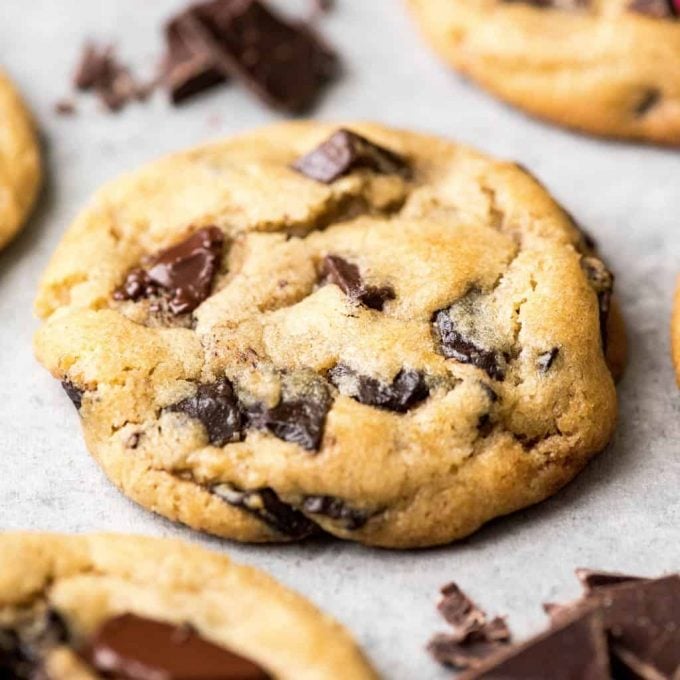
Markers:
{"x": 622, "y": 513}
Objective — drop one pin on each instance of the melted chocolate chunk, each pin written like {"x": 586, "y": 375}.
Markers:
{"x": 74, "y": 393}
{"x": 345, "y": 151}
{"x": 346, "y": 276}
{"x": 455, "y": 346}
{"x": 130, "y": 647}
{"x": 335, "y": 508}
{"x": 602, "y": 282}
{"x": 268, "y": 507}
{"x": 657, "y": 9}
{"x": 406, "y": 390}
{"x": 547, "y": 359}
{"x": 183, "y": 273}
{"x": 575, "y": 648}
{"x": 189, "y": 67}
{"x": 284, "y": 64}
{"x": 217, "y": 407}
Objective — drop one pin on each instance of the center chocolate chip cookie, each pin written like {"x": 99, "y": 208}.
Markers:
{"x": 354, "y": 330}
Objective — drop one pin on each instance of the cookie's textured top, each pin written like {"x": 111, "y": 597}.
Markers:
{"x": 19, "y": 161}
{"x": 609, "y": 67}
{"x": 68, "y": 603}
{"x": 401, "y": 338}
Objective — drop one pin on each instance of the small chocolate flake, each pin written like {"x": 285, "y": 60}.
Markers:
{"x": 345, "y": 151}
{"x": 65, "y": 107}
{"x": 217, "y": 407}
{"x": 138, "y": 648}
{"x": 546, "y": 359}
{"x": 269, "y": 508}
{"x": 346, "y": 276}
{"x": 183, "y": 273}
{"x": 74, "y": 393}
{"x": 337, "y": 509}
{"x": 656, "y": 9}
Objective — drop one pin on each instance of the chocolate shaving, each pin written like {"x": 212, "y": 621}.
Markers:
{"x": 345, "y": 151}
{"x": 346, "y": 276}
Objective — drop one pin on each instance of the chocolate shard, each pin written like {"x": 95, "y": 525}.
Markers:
{"x": 574, "y": 648}
{"x": 182, "y": 274}
{"x": 345, "y": 151}
{"x": 455, "y": 345}
{"x": 74, "y": 393}
{"x": 346, "y": 276}
{"x": 132, "y": 647}
{"x": 269, "y": 508}
{"x": 189, "y": 68}
{"x": 547, "y": 359}
{"x": 642, "y": 620}
{"x": 452, "y": 654}
{"x": 602, "y": 282}
{"x": 217, "y": 407}
{"x": 460, "y": 612}
{"x": 593, "y": 579}
{"x": 656, "y": 9}
{"x": 284, "y": 64}
{"x": 407, "y": 390}
{"x": 337, "y": 509}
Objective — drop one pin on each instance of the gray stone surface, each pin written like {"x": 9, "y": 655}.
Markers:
{"x": 623, "y": 511}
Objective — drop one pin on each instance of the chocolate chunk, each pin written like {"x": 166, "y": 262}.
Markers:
{"x": 546, "y": 359}
{"x": 649, "y": 99}
{"x": 346, "y": 276}
{"x": 592, "y": 580}
{"x": 74, "y": 393}
{"x": 643, "y": 621}
{"x": 217, "y": 407}
{"x": 345, "y": 151}
{"x": 575, "y": 648}
{"x": 268, "y": 507}
{"x": 460, "y": 611}
{"x": 455, "y": 346}
{"x": 189, "y": 67}
{"x": 132, "y": 647}
{"x": 300, "y": 415}
{"x": 183, "y": 273}
{"x": 284, "y": 64}
{"x": 657, "y": 9}
{"x": 406, "y": 390}
{"x": 335, "y": 508}
{"x": 602, "y": 282}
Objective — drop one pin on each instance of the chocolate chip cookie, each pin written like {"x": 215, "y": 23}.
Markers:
{"x": 19, "y": 161}
{"x": 133, "y": 608}
{"x": 355, "y": 330}
{"x": 607, "y": 67}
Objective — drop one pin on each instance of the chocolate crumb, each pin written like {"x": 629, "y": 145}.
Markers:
{"x": 65, "y": 107}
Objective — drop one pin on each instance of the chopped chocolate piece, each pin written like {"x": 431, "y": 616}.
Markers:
{"x": 460, "y": 611}
{"x": 546, "y": 359}
{"x": 642, "y": 619}
{"x": 469, "y": 654}
{"x": 602, "y": 282}
{"x": 132, "y": 647}
{"x": 592, "y": 579}
{"x": 189, "y": 66}
{"x": 217, "y": 407}
{"x": 455, "y": 346}
{"x": 345, "y": 151}
{"x": 95, "y": 65}
{"x": 64, "y": 107}
{"x": 346, "y": 276}
{"x": 183, "y": 273}
{"x": 74, "y": 393}
{"x": 575, "y": 648}
{"x": 300, "y": 415}
{"x": 657, "y": 9}
{"x": 335, "y": 508}
{"x": 406, "y": 390}
{"x": 284, "y": 64}
{"x": 268, "y": 507}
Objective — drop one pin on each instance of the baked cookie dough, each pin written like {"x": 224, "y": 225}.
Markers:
{"x": 133, "y": 608}
{"x": 362, "y": 331}
{"x": 19, "y": 161}
{"x": 607, "y": 67}
{"x": 675, "y": 332}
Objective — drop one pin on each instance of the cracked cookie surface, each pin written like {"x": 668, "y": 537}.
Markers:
{"x": 19, "y": 161}
{"x": 394, "y": 353}
{"x": 606, "y": 67}
{"x": 77, "y": 607}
